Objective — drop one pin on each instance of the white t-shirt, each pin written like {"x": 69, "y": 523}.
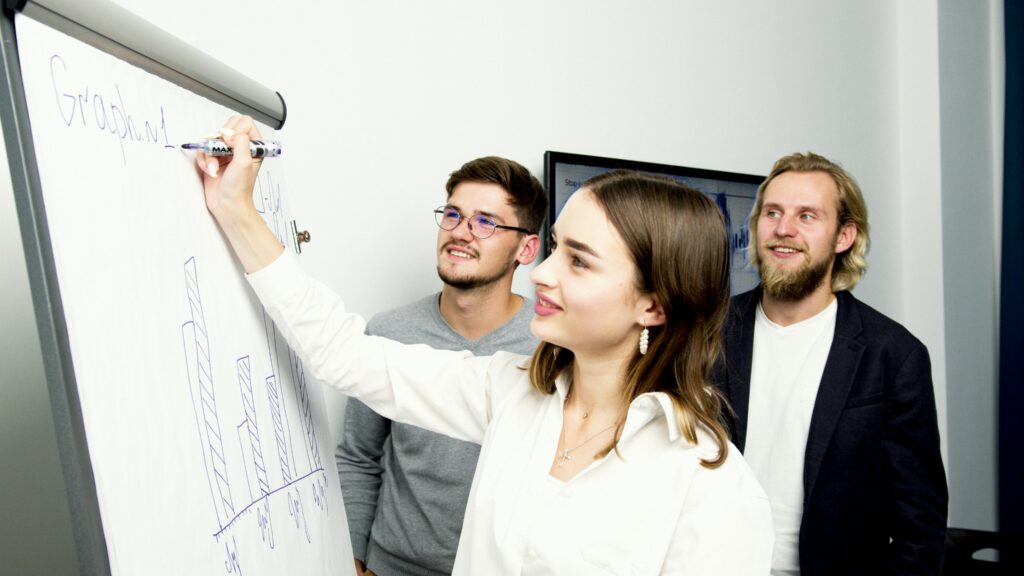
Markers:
{"x": 655, "y": 510}
{"x": 785, "y": 372}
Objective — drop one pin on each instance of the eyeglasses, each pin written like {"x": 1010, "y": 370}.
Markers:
{"x": 480, "y": 225}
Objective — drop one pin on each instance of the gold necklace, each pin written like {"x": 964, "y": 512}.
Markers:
{"x": 564, "y": 457}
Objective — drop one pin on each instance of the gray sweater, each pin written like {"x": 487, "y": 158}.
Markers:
{"x": 405, "y": 489}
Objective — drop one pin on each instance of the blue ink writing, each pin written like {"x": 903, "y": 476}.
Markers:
{"x": 107, "y": 112}
{"x": 231, "y": 563}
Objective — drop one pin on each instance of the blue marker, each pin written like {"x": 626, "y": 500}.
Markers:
{"x": 215, "y": 147}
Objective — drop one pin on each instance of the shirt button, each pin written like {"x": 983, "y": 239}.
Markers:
{"x": 567, "y": 494}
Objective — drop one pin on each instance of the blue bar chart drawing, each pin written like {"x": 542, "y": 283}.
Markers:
{"x": 184, "y": 410}
{"x": 200, "y": 375}
{"x": 276, "y": 411}
{"x": 247, "y": 481}
{"x": 312, "y": 450}
{"x": 251, "y": 429}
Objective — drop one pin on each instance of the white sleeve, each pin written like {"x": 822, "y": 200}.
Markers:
{"x": 451, "y": 393}
{"x": 725, "y": 526}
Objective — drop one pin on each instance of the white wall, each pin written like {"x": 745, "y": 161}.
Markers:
{"x": 385, "y": 98}
{"x": 971, "y": 102}
{"x": 917, "y": 226}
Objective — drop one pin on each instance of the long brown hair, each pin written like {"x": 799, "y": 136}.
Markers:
{"x": 680, "y": 248}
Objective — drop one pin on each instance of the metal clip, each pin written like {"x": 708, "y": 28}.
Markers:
{"x": 300, "y": 237}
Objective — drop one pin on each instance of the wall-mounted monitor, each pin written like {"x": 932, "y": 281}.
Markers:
{"x": 733, "y": 193}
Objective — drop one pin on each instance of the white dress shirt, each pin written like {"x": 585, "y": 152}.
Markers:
{"x": 654, "y": 510}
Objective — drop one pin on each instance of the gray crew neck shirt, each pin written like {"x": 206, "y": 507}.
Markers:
{"x": 405, "y": 489}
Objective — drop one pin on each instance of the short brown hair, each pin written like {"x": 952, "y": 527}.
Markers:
{"x": 526, "y": 193}
{"x": 850, "y": 265}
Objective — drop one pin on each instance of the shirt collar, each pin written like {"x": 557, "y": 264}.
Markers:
{"x": 647, "y": 407}
{"x": 642, "y": 409}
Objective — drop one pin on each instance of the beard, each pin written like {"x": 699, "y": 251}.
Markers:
{"x": 472, "y": 282}
{"x": 795, "y": 285}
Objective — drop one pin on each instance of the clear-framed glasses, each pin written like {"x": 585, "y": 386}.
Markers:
{"x": 480, "y": 225}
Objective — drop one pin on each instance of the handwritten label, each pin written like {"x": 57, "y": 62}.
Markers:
{"x": 263, "y": 520}
{"x": 231, "y": 565}
{"x": 81, "y": 106}
{"x": 297, "y": 512}
{"x": 320, "y": 492}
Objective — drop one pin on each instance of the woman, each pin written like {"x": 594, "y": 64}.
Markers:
{"x": 604, "y": 452}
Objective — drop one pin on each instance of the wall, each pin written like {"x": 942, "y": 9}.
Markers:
{"x": 386, "y": 98}
{"x": 971, "y": 185}
{"x": 391, "y": 105}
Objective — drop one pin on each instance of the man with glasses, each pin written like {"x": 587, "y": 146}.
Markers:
{"x": 405, "y": 489}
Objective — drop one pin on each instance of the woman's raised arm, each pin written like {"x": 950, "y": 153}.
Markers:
{"x": 228, "y": 184}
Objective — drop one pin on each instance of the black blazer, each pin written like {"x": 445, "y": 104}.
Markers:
{"x": 875, "y": 492}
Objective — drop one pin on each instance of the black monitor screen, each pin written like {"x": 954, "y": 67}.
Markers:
{"x": 733, "y": 193}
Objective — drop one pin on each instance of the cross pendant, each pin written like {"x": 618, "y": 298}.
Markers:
{"x": 563, "y": 457}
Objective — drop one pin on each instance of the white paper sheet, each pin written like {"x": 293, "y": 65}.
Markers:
{"x": 209, "y": 447}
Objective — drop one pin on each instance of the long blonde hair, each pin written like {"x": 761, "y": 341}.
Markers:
{"x": 679, "y": 245}
{"x": 850, "y": 265}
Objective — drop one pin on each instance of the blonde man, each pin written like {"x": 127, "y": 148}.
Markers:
{"x": 833, "y": 402}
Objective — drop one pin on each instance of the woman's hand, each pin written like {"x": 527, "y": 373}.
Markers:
{"x": 228, "y": 183}
{"x": 228, "y": 180}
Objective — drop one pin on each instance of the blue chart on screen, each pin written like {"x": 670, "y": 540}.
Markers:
{"x": 735, "y": 199}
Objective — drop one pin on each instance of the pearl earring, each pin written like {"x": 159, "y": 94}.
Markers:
{"x": 645, "y": 337}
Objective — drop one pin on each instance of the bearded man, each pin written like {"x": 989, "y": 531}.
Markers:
{"x": 832, "y": 401}
{"x": 405, "y": 489}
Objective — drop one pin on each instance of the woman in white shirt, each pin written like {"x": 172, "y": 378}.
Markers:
{"x": 604, "y": 453}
